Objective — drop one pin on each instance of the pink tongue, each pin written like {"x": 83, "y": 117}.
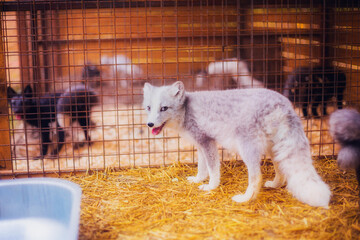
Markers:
{"x": 18, "y": 117}
{"x": 156, "y": 131}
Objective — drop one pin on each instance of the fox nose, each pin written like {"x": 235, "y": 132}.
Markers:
{"x": 150, "y": 124}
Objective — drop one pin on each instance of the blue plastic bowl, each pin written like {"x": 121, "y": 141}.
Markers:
{"x": 39, "y": 209}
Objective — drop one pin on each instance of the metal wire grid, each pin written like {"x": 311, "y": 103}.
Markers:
{"x": 48, "y": 43}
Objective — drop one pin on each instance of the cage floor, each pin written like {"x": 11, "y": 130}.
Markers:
{"x": 159, "y": 203}
{"x": 121, "y": 139}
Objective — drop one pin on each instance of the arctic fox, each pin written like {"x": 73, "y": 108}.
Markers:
{"x": 123, "y": 68}
{"x": 250, "y": 121}
{"x": 40, "y": 112}
{"x": 234, "y": 68}
{"x": 345, "y": 129}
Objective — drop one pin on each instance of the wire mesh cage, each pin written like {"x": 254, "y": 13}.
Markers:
{"x": 97, "y": 55}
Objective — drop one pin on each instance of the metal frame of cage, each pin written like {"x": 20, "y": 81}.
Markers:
{"x": 47, "y": 44}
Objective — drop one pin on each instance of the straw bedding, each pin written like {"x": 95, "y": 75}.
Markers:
{"x": 159, "y": 203}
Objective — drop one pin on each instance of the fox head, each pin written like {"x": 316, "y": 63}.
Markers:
{"x": 163, "y": 104}
{"x": 90, "y": 71}
{"x": 21, "y": 103}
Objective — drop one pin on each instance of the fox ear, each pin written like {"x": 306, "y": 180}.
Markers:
{"x": 177, "y": 90}
{"x": 28, "y": 91}
{"x": 11, "y": 92}
{"x": 147, "y": 87}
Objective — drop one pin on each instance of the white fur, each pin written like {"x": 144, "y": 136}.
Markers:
{"x": 234, "y": 68}
{"x": 249, "y": 121}
{"x": 123, "y": 68}
{"x": 73, "y": 129}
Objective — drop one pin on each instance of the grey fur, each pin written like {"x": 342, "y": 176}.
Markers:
{"x": 91, "y": 75}
{"x": 345, "y": 129}
{"x": 252, "y": 122}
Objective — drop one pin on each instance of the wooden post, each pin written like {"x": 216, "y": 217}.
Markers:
{"x": 23, "y": 29}
{"x": 5, "y": 149}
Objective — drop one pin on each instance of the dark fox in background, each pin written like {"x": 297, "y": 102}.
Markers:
{"x": 91, "y": 75}
{"x": 41, "y": 112}
{"x": 345, "y": 129}
{"x": 313, "y": 86}
{"x": 38, "y": 112}
{"x": 75, "y": 105}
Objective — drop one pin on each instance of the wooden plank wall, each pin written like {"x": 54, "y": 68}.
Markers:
{"x": 5, "y": 151}
{"x": 346, "y": 49}
{"x": 167, "y": 43}
{"x": 173, "y": 43}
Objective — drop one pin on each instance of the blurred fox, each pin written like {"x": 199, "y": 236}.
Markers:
{"x": 74, "y": 105}
{"x": 251, "y": 121}
{"x": 229, "y": 69}
{"x": 315, "y": 86}
{"x": 123, "y": 69}
{"x": 345, "y": 129}
{"x": 41, "y": 112}
{"x": 91, "y": 75}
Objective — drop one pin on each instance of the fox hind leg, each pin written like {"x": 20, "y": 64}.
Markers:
{"x": 279, "y": 179}
{"x": 252, "y": 158}
{"x": 45, "y": 142}
{"x": 60, "y": 141}
{"x": 305, "y": 110}
{"x": 84, "y": 122}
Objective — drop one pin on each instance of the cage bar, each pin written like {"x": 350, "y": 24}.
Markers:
{"x": 114, "y": 47}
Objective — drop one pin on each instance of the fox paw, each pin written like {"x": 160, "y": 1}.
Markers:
{"x": 38, "y": 158}
{"x": 206, "y": 187}
{"x": 274, "y": 184}
{"x": 52, "y": 156}
{"x": 194, "y": 179}
{"x": 270, "y": 184}
{"x": 241, "y": 198}
{"x": 78, "y": 145}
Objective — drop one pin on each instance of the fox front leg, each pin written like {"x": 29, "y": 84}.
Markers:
{"x": 60, "y": 142}
{"x": 45, "y": 142}
{"x": 209, "y": 161}
{"x": 203, "y": 173}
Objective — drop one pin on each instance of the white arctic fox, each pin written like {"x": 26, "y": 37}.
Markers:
{"x": 123, "y": 68}
{"x": 250, "y": 121}
{"x": 236, "y": 69}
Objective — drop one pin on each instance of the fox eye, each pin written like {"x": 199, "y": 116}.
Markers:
{"x": 163, "y": 109}
{"x": 148, "y": 108}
